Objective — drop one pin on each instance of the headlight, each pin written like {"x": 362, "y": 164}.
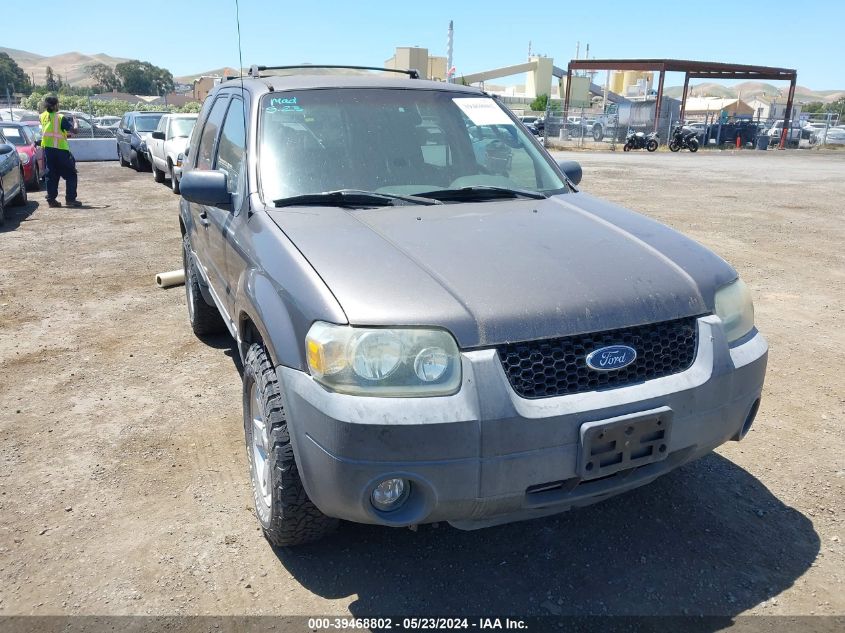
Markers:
{"x": 396, "y": 362}
{"x": 24, "y": 158}
{"x": 734, "y": 307}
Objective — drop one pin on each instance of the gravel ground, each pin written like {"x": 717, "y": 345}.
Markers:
{"x": 124, "y": 482}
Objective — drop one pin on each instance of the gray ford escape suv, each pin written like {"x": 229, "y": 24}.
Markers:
{"x": 435, "y": 325}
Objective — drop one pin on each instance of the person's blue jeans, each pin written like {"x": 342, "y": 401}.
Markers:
{"x": 60, "y": 164}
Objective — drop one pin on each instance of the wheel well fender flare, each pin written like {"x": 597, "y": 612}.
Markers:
{"x": 263, "y": 313}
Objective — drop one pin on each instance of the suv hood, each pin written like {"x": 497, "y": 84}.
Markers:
{"x": 505, "y": 271}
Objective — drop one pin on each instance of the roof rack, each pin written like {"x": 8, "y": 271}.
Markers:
{"x": 255, "y": 71}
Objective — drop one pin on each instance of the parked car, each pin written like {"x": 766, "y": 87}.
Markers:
{"x": 167, "y": 143}
{"x": 107, "y": 122}
{"x": 424, "y": 340}
{"x": 132, "y": 134}
{"x": 776, "y": 131}
{"x": 17, "y": 114}
{"x": 834, "y": 136}
{"x": 35, "y": 130}
{"x": 29, "y": 151}
{"x": 12, "y": 184}
{"x": 531, "y": 123}
{"x": 85, "y": 128}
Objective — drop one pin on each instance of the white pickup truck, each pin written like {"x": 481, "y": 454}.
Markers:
{"x": 166, "y": 145}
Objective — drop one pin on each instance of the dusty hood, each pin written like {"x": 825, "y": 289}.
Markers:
{"x": 504, "y": 271}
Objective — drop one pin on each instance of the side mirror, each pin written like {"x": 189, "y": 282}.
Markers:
{"x": 572, "y": 169}
{"x": 126, "y": 130}
{"x": 5, "y": 148}
{"x": 206, "y": 187}
{"x": 158, "y": 135}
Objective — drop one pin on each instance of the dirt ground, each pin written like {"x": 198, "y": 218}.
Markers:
{"x": 124, "y": 481}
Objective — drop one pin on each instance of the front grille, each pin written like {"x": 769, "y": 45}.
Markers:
{"x": 557, "y": 367}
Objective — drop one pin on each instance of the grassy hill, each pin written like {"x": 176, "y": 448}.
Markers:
{"x": 222, "y": 72}
{"x": 71, "y": 66}
{"x": 750, "y": 89}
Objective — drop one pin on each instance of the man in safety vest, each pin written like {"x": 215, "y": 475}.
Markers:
{"x": 57, "y": 156}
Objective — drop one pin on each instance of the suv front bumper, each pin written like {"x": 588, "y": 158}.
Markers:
{"x": 486, "y": 456}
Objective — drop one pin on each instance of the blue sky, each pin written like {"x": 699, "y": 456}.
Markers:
{"x": 190, "y": 36}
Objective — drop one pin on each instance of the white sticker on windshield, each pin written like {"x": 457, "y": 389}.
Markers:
{"x": 483, "y": 111}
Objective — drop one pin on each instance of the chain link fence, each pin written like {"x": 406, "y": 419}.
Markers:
{"x": 598, "y": 128}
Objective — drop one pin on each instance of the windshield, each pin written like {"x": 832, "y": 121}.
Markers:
{"x": 181, "y": 127}
{"x": 394, "y": 141}
{"x": 14, "y": 136}
{"x": 147, "y": 123}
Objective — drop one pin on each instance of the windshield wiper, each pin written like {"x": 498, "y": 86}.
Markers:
{"x": 483, "y": 192}
{"x": 350, "y": 198}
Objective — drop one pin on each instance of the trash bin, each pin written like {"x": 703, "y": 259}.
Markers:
{"x": 763, "y": 141}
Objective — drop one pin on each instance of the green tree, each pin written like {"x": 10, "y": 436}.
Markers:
{"x": 13, "y": 76}
{"x": 50, "y": 82}
{"x": 539, "y": 104}
{"x": 104, "y": 77}
{"x": 142, "y": 78}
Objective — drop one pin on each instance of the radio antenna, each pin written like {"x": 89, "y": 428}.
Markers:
{"x": 240, "y": 54}
{"x": 243, "y": 186}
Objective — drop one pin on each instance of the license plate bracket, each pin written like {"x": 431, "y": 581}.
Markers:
{"x": 616, "y": 444}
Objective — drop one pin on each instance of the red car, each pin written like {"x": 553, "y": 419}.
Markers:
{"x": 29, "y": 151}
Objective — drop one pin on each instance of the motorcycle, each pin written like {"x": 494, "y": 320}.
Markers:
{"x": 641, "y": 140}
{"x": 683, "y": 138}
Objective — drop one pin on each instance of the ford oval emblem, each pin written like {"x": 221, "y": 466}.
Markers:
{"x": 611, "y": 358}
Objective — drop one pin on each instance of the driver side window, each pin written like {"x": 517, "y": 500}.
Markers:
{"x": 205, "y": 150}
{"x": 232, "y": 148}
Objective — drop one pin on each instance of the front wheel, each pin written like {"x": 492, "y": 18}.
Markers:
{"x": 21, "y": 199}
{"x": 673, "y": 146}
{"x": 158, "y": 174}
{"x": 174, "y": 183}
{"x": 651, "y": 145}
{"x": 204, "y": 319}
{"x": 598, "y": 133}
{"x": 36, "y": 177}
{"x": 286, "y": 514}
{"x": 626, "y": 147}
{"x": 692, "y": 144}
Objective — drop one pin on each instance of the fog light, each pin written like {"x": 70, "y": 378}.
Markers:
{"x": 390, "y": 494}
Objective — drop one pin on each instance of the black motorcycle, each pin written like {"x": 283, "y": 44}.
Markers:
{"x": 683, "y": 138}
{"x": 641, "y": 140}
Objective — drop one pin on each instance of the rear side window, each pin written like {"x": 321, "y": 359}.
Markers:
{"x": 205, "y": 151}
{"x": 232, "y": 146}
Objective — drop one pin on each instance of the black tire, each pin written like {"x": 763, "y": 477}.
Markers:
{"x": 626, "y": 147}
{"x": 651, "y": 146}
{"x": 673, "y": 147}
{"x": 693, "y": 145}
{"x": 286, "y": 514}
{"x": 158, "y": 174}
{"x": 174, "y": 182}
{"x": 21, "y": 199}
{"x": 2, "y": 208}
{"x": 134, "y": 160}
{"x": 36, "y": 178}
{"x": 598, "y": 133}
{"x": 204, "y": 319}
{"x": 123, "y": 163}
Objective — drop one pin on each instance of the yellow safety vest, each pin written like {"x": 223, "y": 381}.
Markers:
{"x": 52, "y": 134}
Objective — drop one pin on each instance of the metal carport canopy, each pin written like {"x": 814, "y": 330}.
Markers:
{"x": 695, "y": 70}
